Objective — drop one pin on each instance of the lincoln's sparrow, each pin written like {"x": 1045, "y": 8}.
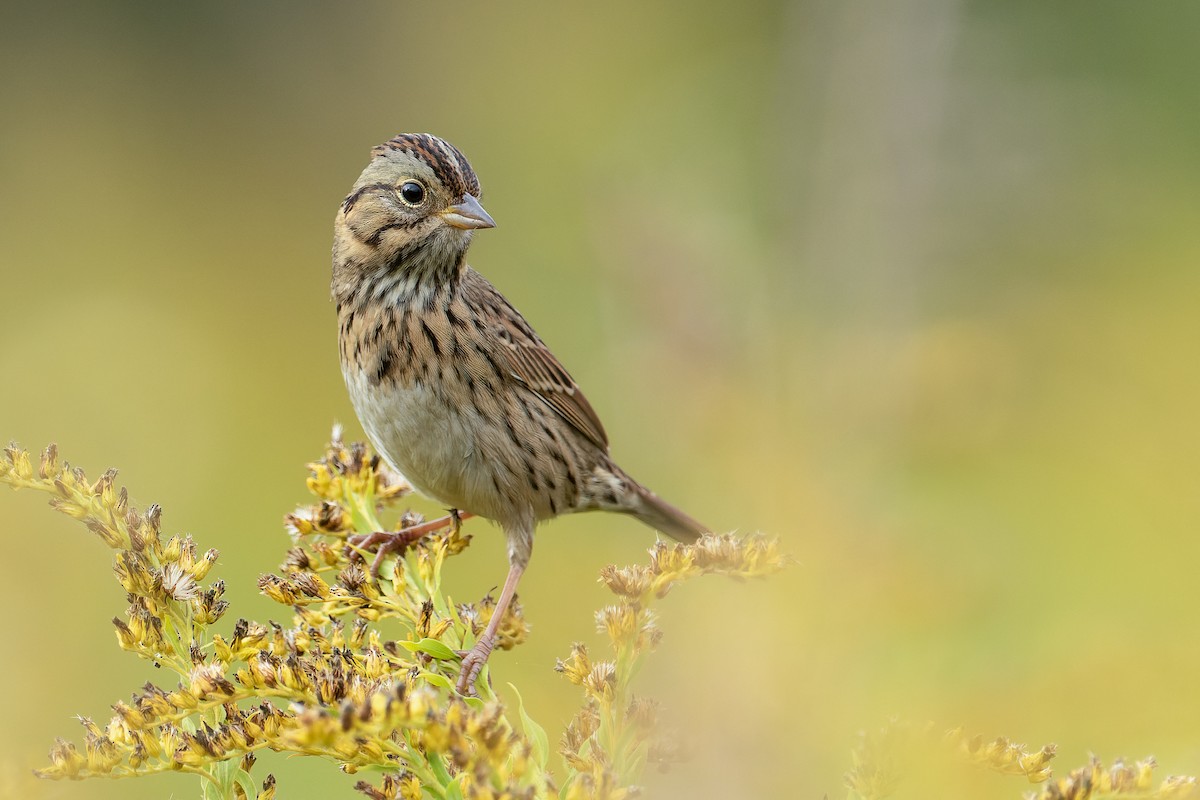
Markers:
{"x": 451, "y": 383}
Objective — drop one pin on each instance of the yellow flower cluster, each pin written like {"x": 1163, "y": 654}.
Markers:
{"x": 726, "y": 554}
{"x": 883, "y": 758}
{"x": 329, "y": 685}
{"x": 363, "y": 673}
{"x": 324, "y": 577}
{"x": 1003, "y": 755}
{"x": 349, "y": 472}
{"x": 1136, "y": 780}
{"x": 615, "y": 734}
{"x": 161, "y": 579}
{"x": 880, "y": 759}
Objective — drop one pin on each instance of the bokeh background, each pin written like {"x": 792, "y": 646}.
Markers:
{"x": 912, "y": 286}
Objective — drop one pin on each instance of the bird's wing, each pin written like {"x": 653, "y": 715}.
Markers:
{"x": 531, "y": 363}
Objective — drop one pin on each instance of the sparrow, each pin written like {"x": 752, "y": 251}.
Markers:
{"x": 453, "y": 387}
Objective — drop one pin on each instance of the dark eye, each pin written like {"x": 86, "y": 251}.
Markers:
{"x": 412, "y": 193}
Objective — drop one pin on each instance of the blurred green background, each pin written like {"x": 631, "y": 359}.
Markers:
{"x": 912, "y": 286}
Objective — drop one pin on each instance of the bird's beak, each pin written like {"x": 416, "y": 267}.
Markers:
{"x": 467, "y": 215}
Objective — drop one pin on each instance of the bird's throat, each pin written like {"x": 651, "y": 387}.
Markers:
{"x": 430, "y": 262}
{"x": 411, "y": 274}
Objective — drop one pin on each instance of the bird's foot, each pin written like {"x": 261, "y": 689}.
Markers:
{"x": 472, "y": 663}
{"x": 388, "y": 542}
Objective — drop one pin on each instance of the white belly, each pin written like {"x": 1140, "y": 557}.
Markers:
{"x": 421, "y": 436}
{"x": 433, "y": 445}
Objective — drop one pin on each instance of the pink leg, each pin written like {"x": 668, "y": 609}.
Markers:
{"x": 473, "y": 661}
{"x": 398, "y": 541}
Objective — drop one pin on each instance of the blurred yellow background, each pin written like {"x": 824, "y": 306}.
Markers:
{"x": 912, "y": 286}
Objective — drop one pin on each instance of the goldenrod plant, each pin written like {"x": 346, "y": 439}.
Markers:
{"x": 362, "y": 674}
{"x": 883, "y": 758}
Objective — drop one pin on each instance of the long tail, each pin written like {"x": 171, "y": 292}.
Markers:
{"x": 666, "y": 518}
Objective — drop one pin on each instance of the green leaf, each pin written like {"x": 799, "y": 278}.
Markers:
{"x": 535, "y": 732}
{"x": 443, "y": 776}
{"x": 433, "y": 678}
{"x": 431, "y": 647}
{"x": 243, "y": 779}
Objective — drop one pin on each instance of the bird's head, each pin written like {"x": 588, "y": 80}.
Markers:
{"x": 414, "y": 208}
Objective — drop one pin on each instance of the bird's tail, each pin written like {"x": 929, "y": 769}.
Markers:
{"x": 666, "y": 518}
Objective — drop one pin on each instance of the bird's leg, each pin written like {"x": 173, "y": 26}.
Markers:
{"x": 399, "y": 541}
{"x": 474, "y": 660}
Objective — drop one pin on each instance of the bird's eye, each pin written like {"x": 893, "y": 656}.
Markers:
{"x": 412, "y": 193}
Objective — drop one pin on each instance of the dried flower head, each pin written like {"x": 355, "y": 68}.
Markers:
{"x": 616, "y": 728}
{"x": 328, "y": 682}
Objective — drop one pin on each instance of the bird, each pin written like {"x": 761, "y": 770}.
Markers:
{"x": 454, "y": 389}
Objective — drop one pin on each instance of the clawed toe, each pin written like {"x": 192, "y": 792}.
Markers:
{"x": 385, "y": 542}
{"x": 388, "y": 542}
{"x": 472, "y": 665}
{"x": 365, "y": 541}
